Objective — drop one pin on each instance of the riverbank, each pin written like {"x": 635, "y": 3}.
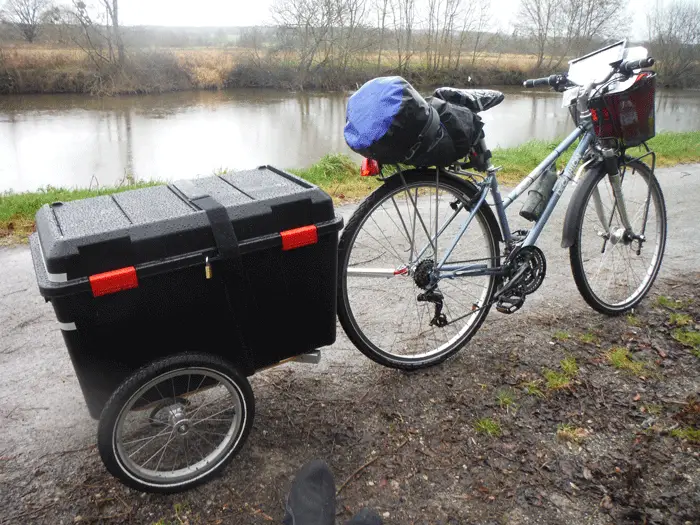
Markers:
{"x": 336, "y": 174}
{"x": 33, "y": 70}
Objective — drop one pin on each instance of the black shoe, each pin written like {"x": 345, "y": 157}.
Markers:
{"x": 365, "y": 517}
{"x": 311, "y": 499}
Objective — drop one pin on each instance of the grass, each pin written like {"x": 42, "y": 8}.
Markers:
{"x": 620, "y": 358}
{"x": 532, "y": 388}
{"x": 570, "y": 433}
{"x": 506, "y": 399}
{"x": 556, "y": 380}
{"x": 488, "y": 426}
{"x": 559, "y": 380}
{"x": 338, "y": 175}
{"x": 671, "y": 148}
{"x": 680, "y": 319}
{"x": 561, "y": 335}
{"x": 689, "y": 434}
{"x": 633, "y": 320}
{"x": 689, "y": 338}
{"x": 672, "y": 304}
{"x": 569, "y": 367}
{"x": 588, "y": 338}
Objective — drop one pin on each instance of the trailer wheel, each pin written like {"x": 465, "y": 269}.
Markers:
{"x": 175, "y": 423}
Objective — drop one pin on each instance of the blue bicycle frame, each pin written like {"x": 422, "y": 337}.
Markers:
{"x": 490, "y": 185}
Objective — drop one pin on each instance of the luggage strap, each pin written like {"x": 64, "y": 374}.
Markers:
{"x": 419, "y": 142}
{"x": 221, "y": 227}
{"x": 233, "y": 275}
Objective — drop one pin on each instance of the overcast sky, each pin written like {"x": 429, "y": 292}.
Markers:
{"x": 258, "y": 12}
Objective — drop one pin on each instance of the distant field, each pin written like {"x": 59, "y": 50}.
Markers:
{"x": 42, "y": 69}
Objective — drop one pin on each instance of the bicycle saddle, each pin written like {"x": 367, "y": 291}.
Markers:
{"x": 473, "y": 99}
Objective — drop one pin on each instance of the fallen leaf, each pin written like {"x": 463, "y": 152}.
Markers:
{"x": 637, "y": 397}
{"x": 587, "y": 474}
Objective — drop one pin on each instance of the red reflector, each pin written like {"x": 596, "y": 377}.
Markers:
{"x": 594, "y": 115}
{"x": 369, "y": 168}
{"x": 114, "y": 281}
{"x": 299, "y": 237}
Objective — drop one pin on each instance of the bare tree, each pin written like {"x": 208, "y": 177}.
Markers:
{"x": 26, "y": 16}
{"x": 403, "y": 19}
{"x": 538, "y": 21}
{"x": 382, "y": 9}
{"x": 583, "y": 22}
{"x": 112, "y": 9}
{"x": 674, "y": 37}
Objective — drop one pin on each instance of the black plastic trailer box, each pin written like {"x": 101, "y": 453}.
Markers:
{"x": 240, "y": 265}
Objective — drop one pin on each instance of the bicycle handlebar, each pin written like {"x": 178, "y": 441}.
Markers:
{"x": 551, "y": 80}
{"x": 628, "y": 67}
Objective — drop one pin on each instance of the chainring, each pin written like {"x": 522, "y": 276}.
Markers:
{"x": 529, "y": 269}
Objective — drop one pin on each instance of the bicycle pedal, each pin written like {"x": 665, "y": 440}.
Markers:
{"x": 510, "y": 305}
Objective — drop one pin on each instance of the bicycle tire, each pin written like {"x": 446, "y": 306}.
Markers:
{"x": 576, "y": 256}
{"x": 345, "y": 314}
{"x": 108, "y": 439}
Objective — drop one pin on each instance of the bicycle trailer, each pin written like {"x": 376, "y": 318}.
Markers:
{"x": 240, "y": 266}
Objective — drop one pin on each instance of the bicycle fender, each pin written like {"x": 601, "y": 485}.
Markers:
{"x": 570, "y": 231}
{"x": 471, "y": 191}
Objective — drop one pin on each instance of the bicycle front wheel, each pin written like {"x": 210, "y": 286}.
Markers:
{"x": 613, "y": 267}
{"x": 389, "y": 259}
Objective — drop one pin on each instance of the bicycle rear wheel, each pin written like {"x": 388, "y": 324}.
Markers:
{"x": 613, "y": 270}
{"x": 386, "y": 261}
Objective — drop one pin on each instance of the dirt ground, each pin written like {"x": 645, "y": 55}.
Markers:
{"x": 591, "y": 443}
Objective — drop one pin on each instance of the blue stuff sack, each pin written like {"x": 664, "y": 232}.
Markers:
{"x": 389, "y": 121}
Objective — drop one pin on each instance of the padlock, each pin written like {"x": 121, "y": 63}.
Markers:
{"x": 207, "y": 268}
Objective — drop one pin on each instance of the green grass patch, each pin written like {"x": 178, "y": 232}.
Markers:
{"x": 556, "y": 380}
{"x": 620, "y": 358}
{"x": 671, "y": 148}
{"x": 633, "y": 320}
{"x": 679, "y": 319}
{"x": 488, "y": 426}
{"x": 589, "y": 338}
{"x": 532, "y": 388}
{"x": 337, "y": 174}
{"x": 506, "y": 398}
{"x": 561, "y": 335}
{"x": 673, "y": 304}
{"x": 571, "y": 433}
{"x": 569, "y": 367}
{"x": 689, "y": 338}
{"x": 688, "y": 434}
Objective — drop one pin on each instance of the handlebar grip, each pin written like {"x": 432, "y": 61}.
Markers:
{"x": 545, "y": 81}
{"x": 628, "y": 67}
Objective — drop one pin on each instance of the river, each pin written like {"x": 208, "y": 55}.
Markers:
{"x": 80, "y": 141}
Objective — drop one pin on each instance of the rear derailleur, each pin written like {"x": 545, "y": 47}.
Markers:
{"x": 435, "y": 296}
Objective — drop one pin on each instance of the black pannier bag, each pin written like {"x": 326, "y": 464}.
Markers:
{"x": 389, "y": 121}
{"x": 475, "y": 100}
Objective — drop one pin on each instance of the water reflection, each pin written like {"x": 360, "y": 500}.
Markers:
{"x": 72, "y": 140}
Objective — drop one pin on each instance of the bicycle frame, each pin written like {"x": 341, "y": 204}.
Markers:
{"x": 490, "y": 185}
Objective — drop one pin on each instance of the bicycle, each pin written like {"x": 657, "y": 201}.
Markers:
{"x": 416, "y": 283}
